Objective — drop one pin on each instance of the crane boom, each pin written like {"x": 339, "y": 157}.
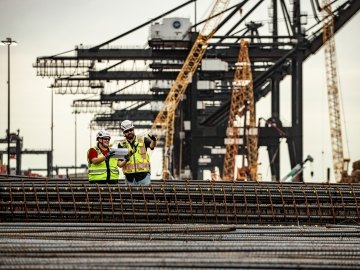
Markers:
{"x": 242, "y": 103}
{"x": 333, "y": 91}
{"x": 166, "y": 117}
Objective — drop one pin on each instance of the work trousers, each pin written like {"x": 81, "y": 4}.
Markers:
{"x": 143, "y": 182}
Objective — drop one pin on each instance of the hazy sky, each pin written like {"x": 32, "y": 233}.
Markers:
{"x": 44, "y": 28}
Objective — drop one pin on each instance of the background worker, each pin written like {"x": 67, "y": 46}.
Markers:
{"x": 103, "y": 167}
{"x": 136, "y": 168}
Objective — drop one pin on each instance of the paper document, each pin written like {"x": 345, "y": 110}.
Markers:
{"x": 120, "y": 152}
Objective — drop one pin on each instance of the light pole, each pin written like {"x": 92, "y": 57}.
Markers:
{"x": 76, "y": 112}
{"x": 8, "y": 42}
{"x": 52, "y": 133}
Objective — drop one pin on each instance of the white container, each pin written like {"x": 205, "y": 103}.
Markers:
{"x": 206, "y": 85}
{"x": 171, "y": 29}
{"x": 214, "y": 64}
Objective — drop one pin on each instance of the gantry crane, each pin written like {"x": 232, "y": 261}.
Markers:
{"x": 242, "y": 104}
{"x": 340, "y": 164}
{"x": 166, "y": 117}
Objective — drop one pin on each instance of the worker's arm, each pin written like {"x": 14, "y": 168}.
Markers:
{"x": 95, "y": 159}
{"x": 122, "y": 162}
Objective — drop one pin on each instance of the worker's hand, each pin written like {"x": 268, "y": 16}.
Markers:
{"x": 127, "y": 158}
{"x": 152, "y": 137}
{"x": 134, "y": 148}
{"x": 109, "y": 155}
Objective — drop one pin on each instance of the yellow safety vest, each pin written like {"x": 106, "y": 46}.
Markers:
{"x": 99, "y": 171}
{"x": 140, "y": 160}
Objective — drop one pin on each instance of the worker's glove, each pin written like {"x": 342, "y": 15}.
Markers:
{"x": 134, "y": 148}
{"x": 109, "y": 155}
{"x": 152, "y": 137}
{"x": 127, "y": 157}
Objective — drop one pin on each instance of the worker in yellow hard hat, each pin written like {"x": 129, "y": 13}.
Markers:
{"x": 137, "y": 167}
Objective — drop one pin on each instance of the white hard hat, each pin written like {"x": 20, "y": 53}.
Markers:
{"x": 126, "y": 125}
{"x": 102, "y": 134}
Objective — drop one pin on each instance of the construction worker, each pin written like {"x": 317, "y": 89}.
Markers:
{"x": 137, "y": 167}
{"x": 103, "y": 167}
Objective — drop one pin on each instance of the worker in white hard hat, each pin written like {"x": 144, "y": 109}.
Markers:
{"x": 103, "y": 167}
{"x": 136, "y": 167}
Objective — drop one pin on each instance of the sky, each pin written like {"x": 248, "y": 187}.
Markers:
{"x": 44, "y": 28}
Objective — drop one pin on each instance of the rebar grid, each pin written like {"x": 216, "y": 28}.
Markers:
{"x": 178, "y": 246}
{"x": 180, "y": 202}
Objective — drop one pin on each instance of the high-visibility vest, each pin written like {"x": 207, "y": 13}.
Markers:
{"x": 99, "y": 171}
{"x": 140, "y": 160}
